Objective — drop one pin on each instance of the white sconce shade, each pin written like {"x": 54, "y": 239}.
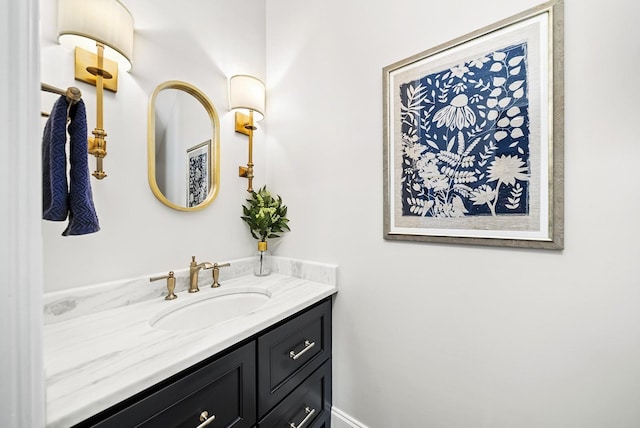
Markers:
{"x": 247, "y": 93}
{"x": 82, "y": 23}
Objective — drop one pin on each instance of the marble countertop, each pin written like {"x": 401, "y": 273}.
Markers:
{"x": 96, "y": 360}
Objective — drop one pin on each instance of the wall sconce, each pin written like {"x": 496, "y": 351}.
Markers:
{"x": 247, "y": 97}
{"x": 106, "y": 28}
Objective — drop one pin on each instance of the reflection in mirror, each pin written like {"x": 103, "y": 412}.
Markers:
{"x": 183, "y": 147}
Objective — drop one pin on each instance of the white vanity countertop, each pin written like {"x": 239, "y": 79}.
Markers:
{"x": 95, "y": 361}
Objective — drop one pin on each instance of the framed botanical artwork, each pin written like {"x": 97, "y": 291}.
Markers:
{"x": 198, "y": 173}
{"x": 473, "y": 137}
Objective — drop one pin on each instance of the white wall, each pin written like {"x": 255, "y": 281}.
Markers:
{"x": 199, "y": 42}
{"x": 448, "y": 336}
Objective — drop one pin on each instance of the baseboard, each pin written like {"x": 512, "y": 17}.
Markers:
{"x": 340, "y": 419}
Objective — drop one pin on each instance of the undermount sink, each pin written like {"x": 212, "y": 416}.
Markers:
{"x": 196, "y": 312}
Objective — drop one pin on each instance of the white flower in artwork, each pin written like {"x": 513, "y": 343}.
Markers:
{"x": 459, "y": 71}
{"x": 483, "y": 195}
{"x": 507, "y": 169}
{"x": 479, "y": 62}
{"x": 431, "y": 176}
{"x": 412, "y": 148}
{"x": 457, "y": 114}
{"x": 414, "y": 151}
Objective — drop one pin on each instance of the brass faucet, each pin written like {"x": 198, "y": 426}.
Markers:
{"x": 171, "y": 284}
{"x": 194, "y": 268}
{"x": 216, "y": 273}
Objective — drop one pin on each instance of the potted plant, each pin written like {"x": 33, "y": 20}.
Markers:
{"x": 267, "y": 218}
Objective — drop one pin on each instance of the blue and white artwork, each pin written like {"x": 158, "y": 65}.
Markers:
{"x": 198, "y": 183}
{"x": 465, "y": 138}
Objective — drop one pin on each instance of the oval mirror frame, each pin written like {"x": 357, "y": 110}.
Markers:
{"x": 214, "y": 160}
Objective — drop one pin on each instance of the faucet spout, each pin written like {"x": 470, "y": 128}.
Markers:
{"x": 194, "y": 269}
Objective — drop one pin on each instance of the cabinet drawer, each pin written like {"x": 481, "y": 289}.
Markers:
{"x": 309, "y": 406}
{"x": 291, "y": 352}
{"x": 224, "y": 388}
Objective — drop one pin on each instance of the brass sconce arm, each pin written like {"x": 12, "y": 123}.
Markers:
{"x": 107, "y": 25}
{"x": 244, "y": 125}
{"x": 247, "y": 94}
{"x": 98, "y": 143}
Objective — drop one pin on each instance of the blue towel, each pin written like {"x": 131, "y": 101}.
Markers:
{"x": 58, "y": 199}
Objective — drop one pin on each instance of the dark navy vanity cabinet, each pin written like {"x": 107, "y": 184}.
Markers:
{"x": 281, "y": 377}
{"x": 294, "y": 370}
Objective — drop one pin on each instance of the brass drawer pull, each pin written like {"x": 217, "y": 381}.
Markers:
{"x": 205, "y": 419}
{"x": 307, "y": 345}
{"x": 309, "y": 413}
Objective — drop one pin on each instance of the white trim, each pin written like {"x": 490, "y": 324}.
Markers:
{"x": 21, "y": 367}
{"x": 340, "y": 419}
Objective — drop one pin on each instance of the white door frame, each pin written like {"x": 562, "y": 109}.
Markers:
{"x": 22, "y": 402}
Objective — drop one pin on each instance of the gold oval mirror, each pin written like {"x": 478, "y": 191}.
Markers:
{"x": 183, "y": 146}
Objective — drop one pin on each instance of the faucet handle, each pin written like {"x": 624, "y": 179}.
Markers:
{"x": 171, "y": 284}
{"x": 216, "y": 273}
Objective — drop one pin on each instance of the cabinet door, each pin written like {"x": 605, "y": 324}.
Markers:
{"x": 288, "y": 354}
{"x": 322, "y": 423}
{"x": 308, "y": 406}
{"x": 225, "y": 389}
